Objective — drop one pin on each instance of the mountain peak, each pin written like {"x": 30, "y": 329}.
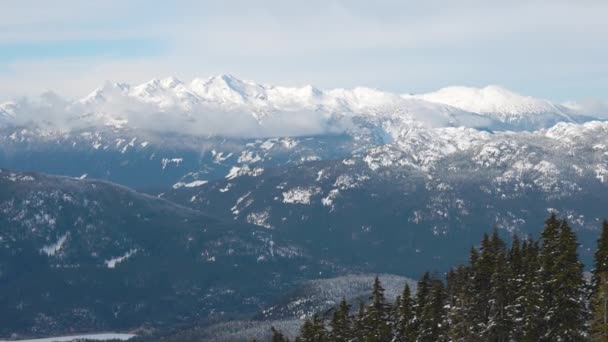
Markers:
{"x": 492, "y": 106}
{"x": 7, "y": 110}
{"x": 170, "y": 82}
{"x": 100, "y": 94}
{"x": 490, "y": 99}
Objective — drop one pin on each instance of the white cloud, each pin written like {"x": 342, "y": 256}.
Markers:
{"x": 591, "y": 107}
{"x": 54, "y": 112}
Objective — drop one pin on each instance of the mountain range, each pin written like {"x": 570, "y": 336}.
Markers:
{"x": 163, "y": 180}
{"x": 206, "y": 103}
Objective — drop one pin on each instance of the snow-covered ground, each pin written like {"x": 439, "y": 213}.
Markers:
{"x": 95, "y": 337}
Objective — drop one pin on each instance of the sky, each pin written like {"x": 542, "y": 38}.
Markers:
{"x": 553, "y": 49}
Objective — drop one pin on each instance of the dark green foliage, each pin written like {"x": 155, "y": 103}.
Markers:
{"x": 277, "y": 336}
{"x": 529, "y": 291}
{"x": 313, "y": 330}
{"x": 404, "y": 316}
{"x": 376, "y": 317}
{"x": 431, "y": 327}
{"x": 599, "y": 297}
{"x": 341, "y": 323}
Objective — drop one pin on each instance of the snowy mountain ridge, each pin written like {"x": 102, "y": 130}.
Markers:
{"x": 280, "y": 111}
{"x": 491, "y": 99}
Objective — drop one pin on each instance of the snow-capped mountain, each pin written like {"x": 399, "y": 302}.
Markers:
{"x": 213, "y": 106}
{"x": 166, "y": 132}
{"x": 490, "y": 99}
{"x": 521, "y": 112}
{"x": 196, "y": 142}
{"x": 352, "y": 180}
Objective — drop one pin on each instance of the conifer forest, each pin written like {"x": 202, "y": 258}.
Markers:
{"x": 527, "y": 290}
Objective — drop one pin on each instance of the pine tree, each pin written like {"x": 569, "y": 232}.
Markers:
{"x": 498, "y": 322}
{"x": 599, "y": 299}
{"x": 565, "y": 315}
{"x": 423, "y": 289}
{"x": 548, "y": 271}
{"x": 277, "y": 336}
{"x": 515, "y": 286}
{"x": 482, "y": 271}
{"x": 533, "y": 291}
{"x": 341, "y": 323}
{"x": 599, "y": 307}
{"x": 359, "y": 324}
{"x": 431, "y": 326}
{"x": 531, "y": 321}
{"x": 600, "y": 260}
{"x": 376, "y": 319}
{"x": 522, "y": 270}
{"x": 404, "y": 316}
{"x": 460, "y": 308}
{"x": 313, "y": 330}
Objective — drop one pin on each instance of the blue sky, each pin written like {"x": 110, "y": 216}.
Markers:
{"x": 82, "y": 49}
{"x": 547, "y": 48}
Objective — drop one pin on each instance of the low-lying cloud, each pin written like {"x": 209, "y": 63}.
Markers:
{"x": 52, "y": 112}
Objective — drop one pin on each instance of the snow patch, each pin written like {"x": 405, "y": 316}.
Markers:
{"x": 175, "y": 161}
{"x": 236, "y": 171}
{"x": 52, "y": 249}
{"x": 115, "y": 261}
{"x": 193, "y": 184}
{"x": 300, "y": 195}
{"x": 260, "y": 218}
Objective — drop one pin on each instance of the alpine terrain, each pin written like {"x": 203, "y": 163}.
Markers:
{"x": 224, "y": 204}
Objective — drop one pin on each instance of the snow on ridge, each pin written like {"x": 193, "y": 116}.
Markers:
{"x": 13, "y": 177}
{"x": 192, "y": 184}
{"x": 197, "y": 103}
{"x": 489, "y": 99}
{"x": 168, "y": 161}
{"x": 300, "y": 195}
{"x": 260, "y": 218}
{"x": 52, "y": 249}
{"x": 244, "y": 170}
{"x": 111, "y": 263}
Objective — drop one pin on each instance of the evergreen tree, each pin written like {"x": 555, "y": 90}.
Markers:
{"x": 376, "y": 319}
{"x": 313, "y": 330}
{"x": 431, "y": 326}
{"x": 359, "y": 324}
{"x": 548, "y": 256}
{"x": 564, "y": 315}
{"x": 599, "y": 299}
{"x": 481, "y": 276}
{"x": 277, "y": 336}
{"x": 515, "y": 289}
{"x": 531, "y": 296}
{"x": 423, "y": 289}
{"x": 533, "y": 291}
{"x": 498, "y": 325}
{"x": 459, "y": 316}
{"x": 341, "y": 323}
{"x": 404, "y": 316}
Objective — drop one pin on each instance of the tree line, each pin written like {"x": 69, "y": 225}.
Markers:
{"x": 532, "y": 290}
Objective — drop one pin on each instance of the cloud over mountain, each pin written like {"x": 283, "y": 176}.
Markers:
{"x": 227, "y": 106}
